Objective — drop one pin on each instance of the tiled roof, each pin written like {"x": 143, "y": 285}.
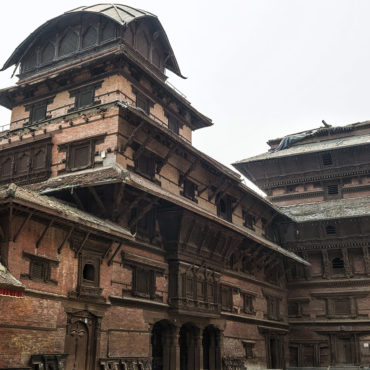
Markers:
{"x": 333, "y": 209}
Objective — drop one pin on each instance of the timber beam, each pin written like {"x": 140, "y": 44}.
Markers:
{"x": 132, "y": 136}
{"x": 44, "y": 233}
{"x": 240, "y": 200}
{"x": 67, "y": 236}
{"x": 24, "y": 223}
{"x": 188, "y": 172}
{"x": 98, "y": 200}
{"x": 77, "y": 199}
{"x": 110, "y": 261}
{"x": 118, "y": 200}
{"x": 82, "y": 244}
{"x": 141, "y": 214}
{"x": 142, "y": 147}
{"x": 166, "y": 158}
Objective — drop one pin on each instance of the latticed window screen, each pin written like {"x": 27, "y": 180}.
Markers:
{"x": 326, "y": 159}
{"x": 90, "y": 37}
{"x": 48, "y": 53}
{"x": 145, "y": 165}
{"x": 69, "y": 43}
{"x": 342, "y": 306}
{"x": 248, "y": 303}
{"x": 109, "y": 31}
{"x": 226, "y": 298}
{"x": 80, "y": 155}
{"x": 143, "y": 282}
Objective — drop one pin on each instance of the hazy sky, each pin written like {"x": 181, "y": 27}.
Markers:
{"x": 259, "y": 69}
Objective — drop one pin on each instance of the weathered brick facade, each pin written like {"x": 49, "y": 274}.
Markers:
{"x": 134, "y": 250}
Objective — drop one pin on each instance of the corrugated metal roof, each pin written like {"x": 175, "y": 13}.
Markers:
{"x": 324, "y": 145}
{"x": 333, "y": 209}
{"x": 121, "y": 14}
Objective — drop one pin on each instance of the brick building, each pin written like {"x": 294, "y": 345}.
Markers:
{"x": 320, "y": 180}
{"x": 124, "y": 247}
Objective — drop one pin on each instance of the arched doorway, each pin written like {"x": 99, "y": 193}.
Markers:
{"x": 211, "y": 348}
{"x": 189, "y": 347}
{"x": 163, "y": 346}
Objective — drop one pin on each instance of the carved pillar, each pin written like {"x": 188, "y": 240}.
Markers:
{"x": 219, "y": 349}
{"x": 326, "y": 264}
{"x": 174, "y": 362}
{"x": 198, "y": 347}
{"x": 366, "y": 254}
{"x": 347, "y": 265}
{"x": 167, "y": 347}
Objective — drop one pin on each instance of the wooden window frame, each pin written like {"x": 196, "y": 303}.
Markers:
{"x": 249, "y": 220}
{"x": 77, "y": 93}
{"x": 46, "y": 265}
{"x": 228, "y": 214}
{"x": 33, "y": 107}
{"x": 229, "y": 304}
{"x": 186, "y": 183}
{"x": 331, "y": 310}
{"x": 248, "y": 303}
{"x": 70, "y": 148}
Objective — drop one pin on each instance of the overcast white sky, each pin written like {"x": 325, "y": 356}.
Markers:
{"x": 259, "y": 69}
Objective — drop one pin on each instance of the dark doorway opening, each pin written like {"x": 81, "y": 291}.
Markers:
{"x": 211, "y": 349}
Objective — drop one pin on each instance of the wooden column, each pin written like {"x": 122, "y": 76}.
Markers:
{"x": 219, "y": 349}
{"x": 198, "y": 347}
{"x": 175, "y": 350}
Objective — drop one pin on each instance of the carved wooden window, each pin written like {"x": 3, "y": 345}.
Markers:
{"x": 337, "y": 265}
{"x": 80, "y": 155}
{"x": 224, "y": 207}
{"x": 249, "y": 220}
{"x": 85, "y": 96}
{"x": 29, "y": 162}
{"x": 143, "y": 282}
{"x": 88, "y": 273}
{"x": 40, "y": 268}
{"x": 248, "y": 303}
{"x": 143, "y": 102}
{"x": 326, "y": 159}
{"x": 108, "y": 32}
{"x": 273, "y": 307}
{"x": 331, "y": 230}
{"x": 47, "y": 53}
{"x": 248, "y": 348}
{"x": 189, "y": 189}
{"x": 226, "y": 298}
{"x": 291, "y": 189}
{"x": 30, "y": 61}
{"x": 173, "y": 124}
{"x": 89, "y": 38}
{"x": 341, "y": 307}
{"x": 69, "y": 43}
{"x": 332, "y": 189}
{"x": 145, "y": 164}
